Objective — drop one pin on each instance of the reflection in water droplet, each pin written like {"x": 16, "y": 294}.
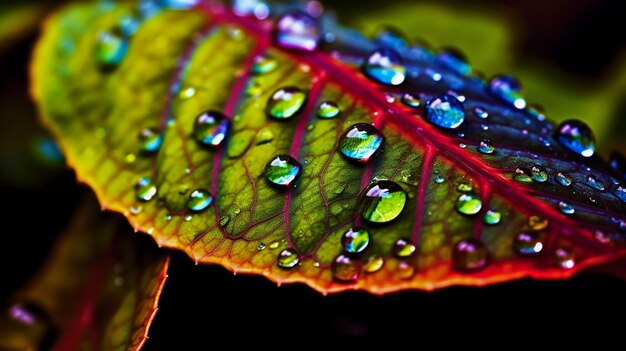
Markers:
{"x": 256, "y": 8}
{"x": 439, "y": 179}
{"x": 445, "y": 111}
{"x": 492, "y": 217}
{"x": 403, "y": 248}
{"x": 564, "y": 258}
{"x": 286, "y": 103}
{"x": 210, "y": 128}
{"x": 382, "y": 201}
{"x": 536, "y": 111}
{"x": 373, "y": 264}
{"x": 485, "y": 147}
{"x": 470, "y": 255}
{"x": 360, "y": 142}
{"x": 509, "y": 89}
{"x": 264, "y": 64}
{"x": 523, "y": 175}
{"x": 385, "y": 67}
{"x": 620, "y": 192}
{"x": 355, "y": 240}
{"x": 199, "y": 200}
{"x": 593, "y": 182}
{"x": 288, "y": 258}
{"x": 456, "y": 60}
{"x": 564, "y": 179}
{"x": 145, "y": 189}
{"x": 464, "y": 187}
{"x": 537, "y": 223}
{"x": 411, "y": 100}
{"x": 297, "y": 30}
{"x": 528, "y": 243}
{"x": 539, "y": 174}
{"x": 577, "y": 137}
{"x": 150, "y": 139}
{"x": 480, "y": 112}
{"x": 565, "y": 208}
{"x": 260, "y": 247}
{"x": 404, "y": 270}
{"x": 328, "y": 109}
{"x": 111, "y": 49}
{"x": 468, "y": 204}
{"x": 282, "y": 170}
{"x": 345, "y": 269}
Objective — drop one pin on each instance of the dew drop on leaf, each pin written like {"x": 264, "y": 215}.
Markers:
{"x": 566, "y": 208}
{"x": 411, "y": 100}
{"x": 286, "y": 103}
{"x": 199, "y": 200}
{"x": 145, "y": 189}
{"x": 328, "y": 109}
{"x": 404, "y": 270}
{"x": 111, "y": 49}
{"x": 480, "y": 112}
{"x": 261, "y": 246}
{"x": 355, "y": 240}
{"x": 523, "y": 174}
{"x": 150, "y": 139}
{"x": 468, "y": 204}
{"x": 403, "y": 248}
{"x": 282, "y": 170}
{"x": 256, "y": 8}
{"x": 297, "y": 30}
{"x": 509, "y": 89}
{"x": 382, "y": 201}
{"x": 620, "y": 192}
{"x": 128, "y": 26}
{"x": 345, "y": 268}
{"x": 563, "y": 179}
{"x": 564, "y": 258}
{"x": 527, "y": 243}
{"x": 445, "y": 111}
{"x": 492, "y": 217}
{"x": 593, "y": 182}
{"x": 539, "y": 173}
{"x": 385, "y": 66}
{"x": 577, "y": 137}
{"x": 537, "y": 223}
{"x": 455, "y": 60}
{"x": 464, "y": 187}
{"x": 439, "y": 179}
{"x": 210, "y": 128}
{"x": 485, "y": 147}
{"x": 373, "y": 264}
{"x": 469, "y": 255}
{"x": 360, "y": 142}
{"x": 264, "y": 64}
{"x": 536, "y": 111}
{"x": 288, "y": 258}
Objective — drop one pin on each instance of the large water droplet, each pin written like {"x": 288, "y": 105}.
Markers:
{"x": 328, "y": 109}
{"x": 411, "y": 100}
{"x": 528, "y": 243}
{"x": 566, "y": 208}
{"x": 355, "y": 240}
{"x": 456, "y": 60}
{"x": 210, "y": 128}
{"x": 445, "y": 111}
{"x": 382, "y": 201}
{"x": 403, "y": 248}
{"x": 345, "y": 268}
{"x": 564, "y": 179}
{"x": 564, "y": 258}
{"x": 297, "y": 30}
{"x": 286, "y": 102}
{"x": 485, "y": 147}
{"x": 288, "y": 258}
{"x": 111, "y": 49}
{"x": 373, "y": 264}
{"x": 539, "y": 173}
{"x": 264, "y": 64}
{"x": 199, "y": 200}
{"x": 282, "y": 170}
{"x": 385, "y": 66}
{"x": 509, "y": 89}
{"x": 150, "y": 139}
{"x": 145, "y": 189}
{"x": 470, "y": 255}
{"x": 523, "y": 175}
{"x": 492, "y": 217}
{"x": 360, "y": 142}
{"x": 468, "y": 204}
{"x": 618, "y": 163}
{"x": 577, "y": 137}
{"x": 593, "y": 182}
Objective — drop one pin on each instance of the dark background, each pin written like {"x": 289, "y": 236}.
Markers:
{"x": 582, "y": 38}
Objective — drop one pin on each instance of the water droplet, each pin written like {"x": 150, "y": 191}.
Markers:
{"x": 264, "y": 64}
{"x": 136, "y": 209}
{"x": 464, "y": 187}
{"x": 187, "y": 93}
{"x": 480, "y": 112}
{"x": 145, "y": 189}
{"x": 539, "y": 174}
{"x": 593, "y": 182}
{"x": 564, "y": 179}
{"x": 411, "y": 100}
{"x": 224, "y": 221}
{"x": 468, "y": 204}
{"x": 288, "y": 258}
{"x": 382, "y": 201}
{"x": 199, "y": 200}
{"x": 110, "y": 50}
{"x": 274, "y": 245}
{"x": 620, "y": 192}
{"x": 618, "y": 163}
{"x": 355, "y": 240}
{"x": 385, "y": 66}
{"x": 439, "y": 179}
{"x": 528, "y": 243}
{"x": 509, "y": 89}
{"x": 458, "y": 96}
{"x": 373, "y": 264}
{"x": 456, "y": 60}
{"x": 445, "y": 111}
{"x": 297, "y": 30}
{"x": 260, "y": 247}
{"x": 282, "y": 170}
{"x": 577, "y": 137}
{"x": 564, "y": 258}
{"x": 523, "y": 175}
{"x": 537, "y": 223}
{"x": 565, "y": 208}
{"x": 403, "y": 248}
{"x": 168, "y": 217}
{"x": 470, "y": 255}
{"x": 492, "y": 217}
{"x": 360, "y": 142}
{"x": 210, "y": 128}
{"x": 328, "y": 109}
{"x": 536, "y": 111}
{"x": 404, "y": 270}
{"x": 150, "y": 139}
{"x": 345, "y": 268}
{"x": 485, "y": 147}
{"x": 286, "y": 103}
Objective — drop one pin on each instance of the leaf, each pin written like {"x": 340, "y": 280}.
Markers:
{"x": 98, "y": 290}
{"x": 466, "y": 219}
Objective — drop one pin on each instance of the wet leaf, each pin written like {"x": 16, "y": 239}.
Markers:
{"x": 98, "y": 290}
{"x": 249, "y": 174}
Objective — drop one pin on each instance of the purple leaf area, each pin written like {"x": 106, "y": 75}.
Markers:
{"x": 454, "y": 180}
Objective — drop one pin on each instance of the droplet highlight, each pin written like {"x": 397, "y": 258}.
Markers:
{"x": 566, "y": 208}
{"x": 485, "y": 147}
{"x": 528, "y": 243}
{"x": 283, "y": 170}
{"x": 298, "y": 31}
{"x": 199, "y": 200}
{"x": 288, "y": 258}
{"x": 539, "y": 173}
{"x": 111, "y": 49}
{"x": 285, "y": 103}
{"x": 564, "y": 258}
{"x": 492, "y": 217}
{"x": 150, "y": 139}
{"x": 382, "y": 201}
{"x": 211, "y": 128}
{"x": 564, "y": 179}
{"x": 327, "y": 110}
{"x": 468, "y": 204}
{"x": 445, "y": 111}
{"x": 593, "y": 182}
{"x": 345, "y": 268}
{"x": 355, "y": 240}
{"x": 403, "y": 248}
{"x": 411, "y": 100}
{"x": 470, "y": 255}
{"x": 523, "y": 175}
{"x": 509, "y": 89}
{"x": 577, "y": 137}
{"x": 385, "y": 66}
{"x": 145, "y": 189}
{"x": 360, "y": 142}
{"x": 264, "y": 64}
